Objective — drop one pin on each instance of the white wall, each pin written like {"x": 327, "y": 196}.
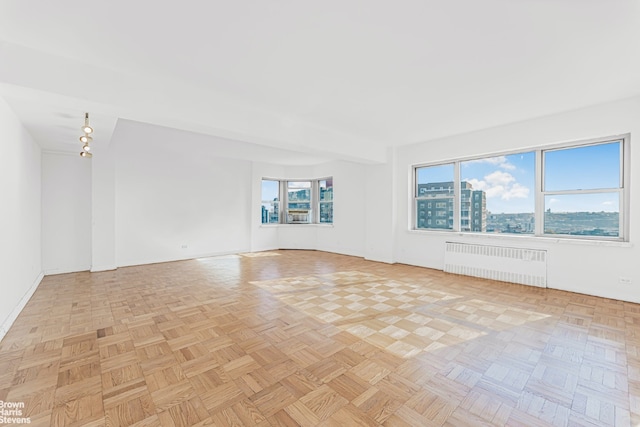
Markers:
{"x": 347, "y": 235}
{"x": 175, "y": 199}
{"x": 103, "y": 212}
{"x": 381, "y": 208}
{"x": 20, "y": 213}
{"x": 585, "y": 267}
{"x": 66, "y": 207}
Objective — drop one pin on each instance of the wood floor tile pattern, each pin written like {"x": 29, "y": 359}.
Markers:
{"x": 303, "y": 338}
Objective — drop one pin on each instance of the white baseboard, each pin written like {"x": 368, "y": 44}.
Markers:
{"x": 6, "y": 325}
{"x": 95, "y": 269}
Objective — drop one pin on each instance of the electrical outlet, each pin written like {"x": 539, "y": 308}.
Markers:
{"x": 184, "y": 246}
{"x": 624, "y": 280}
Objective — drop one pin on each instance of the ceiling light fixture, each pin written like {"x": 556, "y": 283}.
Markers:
{"x": 86, "y": 139}
{"x": 86, "y": 128}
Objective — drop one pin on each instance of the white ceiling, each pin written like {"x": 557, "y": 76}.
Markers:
{"x": 326, "y": 79}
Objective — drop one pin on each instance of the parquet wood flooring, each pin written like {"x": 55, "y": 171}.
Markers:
{"x": 304, "y": 338}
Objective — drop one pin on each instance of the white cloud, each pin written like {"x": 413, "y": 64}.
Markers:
{"x": 608, "y": 203}
{"x": 517, "y": 191}
{"x": 500, "y": 161}
{"x": 508, "y": 166}
{"x": 500, "y": 184}
{"x": 499, "y": 178}
{"x": 477, "y": 184}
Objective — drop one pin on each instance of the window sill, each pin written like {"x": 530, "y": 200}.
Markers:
{"x": 526, "y": 238}
{"x": 296, "y": 225}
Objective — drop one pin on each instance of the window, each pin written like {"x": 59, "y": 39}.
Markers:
{"x": 270, "y": 201}
{"x": 571, "y": 190}
{"x": 325, "y": 204}
{"x": 297, "y": 202}
{"x": 503, "y": 192}
{"x": 434, "y": 184}
{"x": 583, "y": 190}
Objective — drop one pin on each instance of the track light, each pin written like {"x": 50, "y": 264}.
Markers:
{"x": 86, "y": 128}
{"x": 86, "y": 139}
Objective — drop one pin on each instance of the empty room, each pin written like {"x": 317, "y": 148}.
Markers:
{"x": 285, "y": 213}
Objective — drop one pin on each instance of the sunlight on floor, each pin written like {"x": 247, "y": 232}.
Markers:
{"x": 403, "y": 318}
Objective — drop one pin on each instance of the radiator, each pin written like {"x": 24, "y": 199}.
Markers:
{"x": 515, "y": 265}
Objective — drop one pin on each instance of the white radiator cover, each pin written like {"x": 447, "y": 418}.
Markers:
{"x": 515, "y": 265}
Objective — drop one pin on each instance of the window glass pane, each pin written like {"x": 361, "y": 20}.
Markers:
{"x": 582, "y": 214}
{"x": 433, "y": 179}
{"x": 326, "y": 189}
{"x": 325, "y": 196}
{"x": 270, "y": 201}
{"x": 435, "y": 192}
{"x": 326, "y": 212}
{"x": 270, "y": 211}
{"x": 498, "y": 194}
{"x": 299, "y": 191}
{"x": 270, "y": 189}
{"x": 299, "y": 202}
{"x": 583, "y": 168}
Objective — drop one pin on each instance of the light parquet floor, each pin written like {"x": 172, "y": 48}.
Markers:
{"x": 290, "y": 338}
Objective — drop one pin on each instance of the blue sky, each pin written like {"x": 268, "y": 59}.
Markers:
{"x": 270, "y": 190}
{"x": 509, "y": 181}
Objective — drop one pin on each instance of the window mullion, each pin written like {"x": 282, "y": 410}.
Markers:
{"x": 284, "y": 204}
{"x": 457, "y": 194}
{"x": 315, "y": 202}
{"x": 539, "y": 194}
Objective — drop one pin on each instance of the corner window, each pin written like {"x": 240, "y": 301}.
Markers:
{"x": 297, "y": 202}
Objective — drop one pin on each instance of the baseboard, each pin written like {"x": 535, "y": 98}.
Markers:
{"x": 95, "y": 269}
{"x": 21, "y": 305}
{"x": 64, "y": 270}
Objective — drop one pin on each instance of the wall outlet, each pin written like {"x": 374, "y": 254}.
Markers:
{"x": 184, "y": 246}
{"x": 624, "y": 280}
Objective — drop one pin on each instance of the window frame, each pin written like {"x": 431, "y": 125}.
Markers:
{"x": 319, "y": 201}
{"x": 287, "y": 216}
{"x": 278, "y": 201}
{"x": 416, "y": 198}
{"x": 539, "y": 191}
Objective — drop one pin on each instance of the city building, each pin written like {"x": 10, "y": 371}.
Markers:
{"x": 436, "y": 209}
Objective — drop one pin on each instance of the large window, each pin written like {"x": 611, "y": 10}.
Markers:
{"x": 578, "y": 190}
{"x": 301, "y": 201}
